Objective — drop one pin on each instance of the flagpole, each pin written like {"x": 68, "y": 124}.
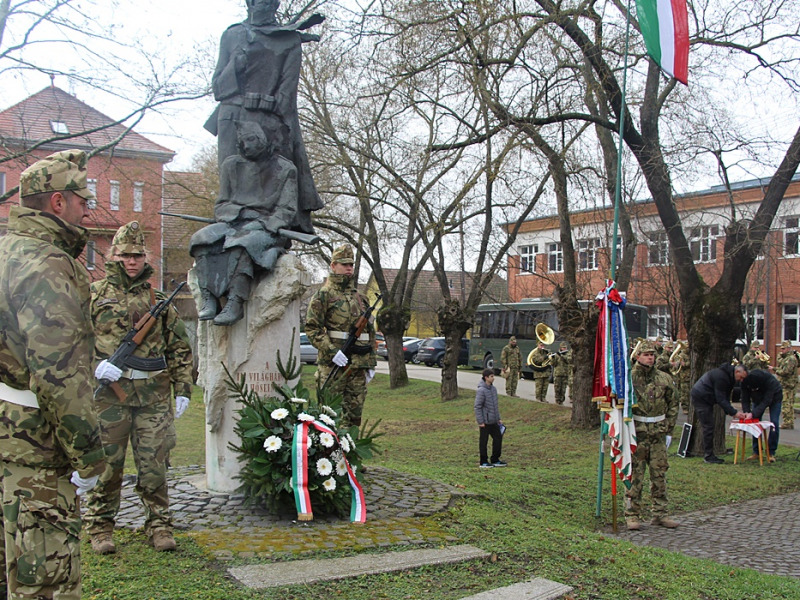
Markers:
{"x": 613, "y": 269}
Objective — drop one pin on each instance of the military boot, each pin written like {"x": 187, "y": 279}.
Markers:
{"x": 633, "y": 523}
{"x": 664, "y": 522}
{"x": 233, "y": 311}
{"x": 208, "y": 310}
{"x": 103, "y": 543}
{"x": 163, "y": 541}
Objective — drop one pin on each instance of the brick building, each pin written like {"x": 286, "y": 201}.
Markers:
{"x": 771, "y": 303}
{"x": 126, "y": 174}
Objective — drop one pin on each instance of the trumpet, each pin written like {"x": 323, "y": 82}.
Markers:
{"x": 762, "y": 356}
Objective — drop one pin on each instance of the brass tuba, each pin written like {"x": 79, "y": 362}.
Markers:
{"x": 673, "y": 356}
{"x": 546, "y": 336}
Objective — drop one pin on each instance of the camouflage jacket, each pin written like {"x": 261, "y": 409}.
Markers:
{"x": 539, "y": 357}
{"x": 511, "y": 358}
{"x": 787, "y": 369}
{"x": 561, "y": 364}
{"x": 117, "y": 304}
{"x": 751, "y": 362}
{"x": 331, "y": 312}
{"x": 662, "y": 362}
{"x": 655, "y": 395}
{"x": 684, "y": 366}
{"x": 46, "y": 345}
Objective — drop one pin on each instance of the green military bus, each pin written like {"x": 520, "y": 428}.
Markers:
{"x": 495, "y": 323}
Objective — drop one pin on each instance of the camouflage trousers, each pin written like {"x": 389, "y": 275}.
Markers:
{"x": 352, "y": 385}
{"x": 542, "y": 383}
{"x": 512, "y": 378}
{"x": 151, "y": 434}
{"x": 683, "y": 387}
{"x": 652, "y": 453}
{"x": 41, "y": 534}
{"x": 560, "y": 388}
{"x": 787, "y": 416}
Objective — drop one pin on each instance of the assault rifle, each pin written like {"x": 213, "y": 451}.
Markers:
{"x": 298, "y": 236}
{"x": 123, "y": 356}
{"x": 355, "y": 332}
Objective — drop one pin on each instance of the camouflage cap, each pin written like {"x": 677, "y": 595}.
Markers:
{"x": 646, "y": 346}
{"x": 563, "y": 346}
{"x": 512, "y": 339}
{"x": 59, "y": 172}
{"x": 129, "y": 239}
{"x": 755, "y": 344}
{"x": 343, "y": 255}
{"x": 785, "y": 344}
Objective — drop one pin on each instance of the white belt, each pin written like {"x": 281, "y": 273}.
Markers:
{"x": 657, "y": 419}
{"x": 19, "y": 397}
{"x": 137, "y": 374}
{"x": 343, "y": 335}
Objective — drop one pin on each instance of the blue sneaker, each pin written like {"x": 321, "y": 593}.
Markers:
{"x": 486, "y": 465}
{"x": 499, "y": 463}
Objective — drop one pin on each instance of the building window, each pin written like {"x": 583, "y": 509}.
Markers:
{"x": 587, "y": 254}
{"x": 754, "y": 321}
{"x": 703, "y": 242}
{"x": 114, "y": 195}
{"x": 527, "y": 258}
{"x": 138, "y": 195}
{"x": 660, "y": 321}
{"x": 91, "y": 255}
{"x": 91, "y": 185}
{"x": 658, "y": 248}
{"x": 2, "y": 182}
{"x": 791, "y": 236}
{"x": 555, "y": 258}
{"x": 59, "y": 127}
{"x": 791, "y": 322}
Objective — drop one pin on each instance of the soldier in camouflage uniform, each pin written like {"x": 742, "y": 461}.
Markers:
{"x": 539, "y": 360}
{"x": 561, "y": 369}
{"x": 145, "y": 415}
{"x": 681, "y": 369}
{"x": 511, "y": 362}
{"x": 662, "y": 360}
{"x": 786, "y": 372}
{"x": 654, "y": 414}
{"x": 331, "y": 313}
{"x": 751, "y": 360}
{"x": 48, "y": 425}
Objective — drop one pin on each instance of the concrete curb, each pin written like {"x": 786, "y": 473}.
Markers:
{"x": 535, "y": 589}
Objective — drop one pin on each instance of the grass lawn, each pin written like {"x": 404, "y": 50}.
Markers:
{"x": 536, "y": 516}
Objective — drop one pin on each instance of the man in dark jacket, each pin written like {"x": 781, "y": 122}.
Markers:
{"x": 715, "y": 388}
{"x": 765, "y": 391}
{"x": 487, "y": 414}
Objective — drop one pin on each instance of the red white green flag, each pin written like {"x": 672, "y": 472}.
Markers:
{"x": 665, "y": 27}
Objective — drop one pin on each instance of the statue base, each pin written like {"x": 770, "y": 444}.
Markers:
{"x": 247, "y": 348}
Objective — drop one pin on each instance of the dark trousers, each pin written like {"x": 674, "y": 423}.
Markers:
{"x": 705, "y": 414}
{"x": 774, "y": 412}
{"x": 490, "y": 429}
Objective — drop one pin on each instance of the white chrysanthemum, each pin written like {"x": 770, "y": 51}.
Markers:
{"x": 341, "y": 468}
{"x": 329, "y": 484}
{"x": 327, "y": 420}
{"x": 324, "y": 467}
{"x": 297, "y": 400}
{"x": 273, "y": 443}
{"x": 279, "y": 413}
{"x": 353, "y": 468}
{"x": 328, "y": 410}
{"x": 326, "y": 439}
{"x": 352, "y": 442}
{"x": 344, "y": 444}
{"x": 304, "y": 417}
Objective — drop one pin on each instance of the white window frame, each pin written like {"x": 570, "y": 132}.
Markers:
{"x": 138, "y": 196}
{"x": 703, "y": 243}
{"x": 59, "y": 127}
{"x": 113, "y": 195}
{"x": 555, "y": 257}
{"x": 791, "y": 322}
{"x": 91, "y": 185}
{"x": 754, "y": 322}
{"x": 527, "y": 258}
{"x": 91, "y": 255}
{"x": 791, "y": 236}
{"x": 587, "y": 254}
{"x": 659, "y": 321}
{"x": 658, "y": 244}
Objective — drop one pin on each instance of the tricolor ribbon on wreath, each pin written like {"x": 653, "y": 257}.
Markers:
{"x": 300, "y": 441}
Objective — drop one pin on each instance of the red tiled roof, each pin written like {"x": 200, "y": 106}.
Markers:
{"x": 29, "y": 121}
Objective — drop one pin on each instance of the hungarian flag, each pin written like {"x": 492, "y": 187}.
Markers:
{"x": 665, "y": 27}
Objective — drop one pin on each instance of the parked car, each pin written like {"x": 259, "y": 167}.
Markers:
{"x": 431, "y": 352}
{"x": 308, "y": 354}
{"x": 383, "y": 352}
{"x": 411, "y": 350}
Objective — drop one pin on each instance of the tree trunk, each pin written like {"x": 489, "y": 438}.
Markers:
{"x": 393, "y": 322}
{"x": 454, "y": 323}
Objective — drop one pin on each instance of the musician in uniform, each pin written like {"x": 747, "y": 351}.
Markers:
{"x": 511, "y": 362}
{"x": 561, "y": 369}
{"x": 681, "y": 372}
{"x": 333, "y": 310}
{"x": 786, "y": 371}
{"x": 655, "y": 414}
{"x": 755, "y": 358}
{"x": 663, "y": 359}
{"x": 539, "y": 360}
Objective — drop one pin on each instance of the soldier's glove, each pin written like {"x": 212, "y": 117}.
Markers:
{"x": 370, "y": 374}
{"x": 340, "y": 359}
{"x": 181, "y": 404}
{"x": 105, "y": 370}
{"x": 83, "y": 484}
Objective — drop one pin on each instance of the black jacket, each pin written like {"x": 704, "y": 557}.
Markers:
{"x": 715, "y": 388}
{"x": 763, "y": 387}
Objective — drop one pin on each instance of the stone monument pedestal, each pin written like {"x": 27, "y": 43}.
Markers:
{"x": 249, "y": 347}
